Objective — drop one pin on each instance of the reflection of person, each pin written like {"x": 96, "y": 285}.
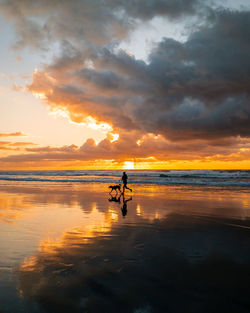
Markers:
{"x": 124, "y": 207}
{"x": 125, "y": 181}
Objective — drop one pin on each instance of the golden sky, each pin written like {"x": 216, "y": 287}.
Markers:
{"x": 145, "y": 86}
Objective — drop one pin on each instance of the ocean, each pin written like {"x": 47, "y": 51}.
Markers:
{"x": 240, "y": 178}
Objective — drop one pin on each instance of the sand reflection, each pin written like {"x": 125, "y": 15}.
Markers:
{"x": 91, "y": 253}
{"x": 149, "y": 202}
{"x": 170, "y": 265}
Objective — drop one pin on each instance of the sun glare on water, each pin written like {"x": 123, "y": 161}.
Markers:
{"x": 128, "y": 165}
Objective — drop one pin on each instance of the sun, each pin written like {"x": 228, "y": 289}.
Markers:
{"x": 128, "y": 165}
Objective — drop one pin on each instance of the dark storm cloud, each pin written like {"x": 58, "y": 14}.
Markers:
{"x": 147, "y": 9}
{"x": 39, "y": 22}
{"x": 202, "y": 85}
{"x": 212, "y": 63}
{"x": 81, "y": 21}
{"x": 195, "y": 89}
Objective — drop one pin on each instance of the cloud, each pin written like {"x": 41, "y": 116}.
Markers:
{"x": 22, "y": 143}
{"x": 147, "y": 9}
{"x": 16, "y": 134}
{"x": 14, "y": 146}
{"x": 90, "y": 21}
{"x": 197, "y": 89}
{"x": 49, "y": 149}
{"x": 135, "y": 146}
{"x": 5, "y": 146}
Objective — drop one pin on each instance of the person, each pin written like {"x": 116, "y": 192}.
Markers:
{"x": 125, "y": 181}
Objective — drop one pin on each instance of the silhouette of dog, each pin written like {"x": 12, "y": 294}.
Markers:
{"x": 115, "y": 188}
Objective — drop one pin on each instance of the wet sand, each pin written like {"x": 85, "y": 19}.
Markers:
{"x": 74, "y": 248}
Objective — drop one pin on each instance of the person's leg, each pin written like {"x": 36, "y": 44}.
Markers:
{"x": 125, "y": 186}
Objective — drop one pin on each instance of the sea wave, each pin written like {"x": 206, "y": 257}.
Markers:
{"x": 166, "y": 177}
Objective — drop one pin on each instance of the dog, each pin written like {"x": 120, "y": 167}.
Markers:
{"x": 115, "y": 188}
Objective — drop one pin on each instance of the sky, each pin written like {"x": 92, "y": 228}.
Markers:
{"x": 112, "y": 84}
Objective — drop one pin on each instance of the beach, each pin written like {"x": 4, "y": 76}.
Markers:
{"x": 125, "y": 156}
{"x": 70, "y": 246}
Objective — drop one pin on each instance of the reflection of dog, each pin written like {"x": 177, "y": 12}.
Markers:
{"x": 115, "y": 199}
{"x": 115, "y": 188}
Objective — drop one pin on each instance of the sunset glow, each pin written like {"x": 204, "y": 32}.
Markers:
{"x": 129, "y": 165}
{"x": 124, "y": 156}
{"x": 115, "y": 90}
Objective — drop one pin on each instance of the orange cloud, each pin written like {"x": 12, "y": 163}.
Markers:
{"x": 189, "y": 102}
{"x": 16, "y": 134}
{"x": 14, "y": 146}
{"x": 143, "y": 150}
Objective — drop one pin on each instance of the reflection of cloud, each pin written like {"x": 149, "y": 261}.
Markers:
{"x": 13, "y": 207}
{"x": 173, "y": 264}
{"x": 97, "y": 222}
{"x": 16, "y": 203}
{"x": 104, "y": 264}
{"x": 150, "y": 200}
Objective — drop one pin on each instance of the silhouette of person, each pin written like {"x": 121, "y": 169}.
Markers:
{"x": 125, "y": 181}
{"x": 124, "y": 207}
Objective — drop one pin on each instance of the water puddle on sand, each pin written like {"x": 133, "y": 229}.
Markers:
{"x": 76, "y": 248}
